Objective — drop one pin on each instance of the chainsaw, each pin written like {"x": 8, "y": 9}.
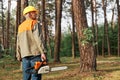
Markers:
{"x": 42, "y": 67}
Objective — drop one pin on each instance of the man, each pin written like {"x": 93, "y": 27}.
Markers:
{"x": 30, "y": 45}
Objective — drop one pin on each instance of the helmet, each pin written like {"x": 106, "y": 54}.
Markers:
{"x": 29, "y": 9}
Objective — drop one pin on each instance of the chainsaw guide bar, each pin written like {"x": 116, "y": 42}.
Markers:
{"x": 47, "y": 69}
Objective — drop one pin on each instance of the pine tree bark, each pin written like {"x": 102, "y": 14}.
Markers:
{"x": 58, "y": 16}
{"x": 87, "y": 56}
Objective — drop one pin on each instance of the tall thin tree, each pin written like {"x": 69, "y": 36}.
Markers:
{"x": 73, "y": 34}
{"x": 8, "y": 25}
{"x": 38, "y": 5}
{"x": 18, "y": 20}
{"x": 96, "y": 25}
{"x": 118, "y": 10}
{"x": 113, "y": 14}
{"x": 93, "y": 23}
{"x": 43, "y": 21}
{"x": 104, "y": 2}
{"x": 3, "y": 36}
{"x": 58, "y": 16}
{"x": 113, "y": 23}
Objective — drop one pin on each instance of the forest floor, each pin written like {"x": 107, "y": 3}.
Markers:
{"x": 108, "y": 68}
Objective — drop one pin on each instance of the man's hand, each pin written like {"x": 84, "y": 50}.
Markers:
{"x": 43, "y": 57}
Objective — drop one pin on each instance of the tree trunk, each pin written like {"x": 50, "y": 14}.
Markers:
{"x": 103, "y": 39}
{"x": 39, "y": 8}
{"x": 106, "y": 26}
{"x": 3, "y": 36}
{"x": 18, "y": 16}
{"x": 118, "y": 9}
{"x": 112, "y": 19}
{"x": 96, "y": 27}
{"x": 43, "y": 21}
{"x": 73, "y": 34}
{"x": 113, "y": 25}
{"x": 93, "y": 24}
{"x": 8, "y": 25}
{"x": 18, "y": 19}
{"x": 87, "y": 56}
{"x": 103, "y": 44}
{"x": 58, "y": 16}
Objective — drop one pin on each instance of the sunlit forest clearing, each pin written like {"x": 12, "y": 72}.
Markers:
{"x": 108, "y": 68}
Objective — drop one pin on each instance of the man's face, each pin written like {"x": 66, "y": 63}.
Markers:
{"x": 33, "y": 15}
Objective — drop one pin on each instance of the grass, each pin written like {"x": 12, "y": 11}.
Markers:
{"x": 108, "y": 69}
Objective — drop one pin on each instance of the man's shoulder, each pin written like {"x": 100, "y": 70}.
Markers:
{"x": 22, "y": 23}
{"x": 24, "y": 26}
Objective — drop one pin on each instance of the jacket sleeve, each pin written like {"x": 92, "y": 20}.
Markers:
{"x": 18, "y": 53}
{"x": 38, "y": 36}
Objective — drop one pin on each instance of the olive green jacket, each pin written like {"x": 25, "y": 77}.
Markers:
{"x": 30, "y": 40}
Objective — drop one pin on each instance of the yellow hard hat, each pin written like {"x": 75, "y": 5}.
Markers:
{"x": 29, "y": 9}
